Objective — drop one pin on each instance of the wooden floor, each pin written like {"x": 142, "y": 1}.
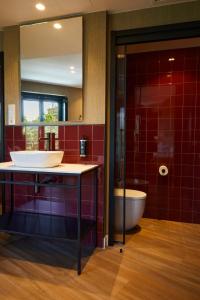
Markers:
{"x": 162, "y": 261}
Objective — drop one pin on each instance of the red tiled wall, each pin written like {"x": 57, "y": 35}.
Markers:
{"x": 165, "y": 95}
{"x": 52, "y": 199}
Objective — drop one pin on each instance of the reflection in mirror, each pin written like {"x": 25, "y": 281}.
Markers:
{"x": 51, "y": 71}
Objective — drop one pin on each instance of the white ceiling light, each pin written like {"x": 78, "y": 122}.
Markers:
{"x": 40, "y": 6}
{"x": 73, "y": 72}
{"x": 72, "y": 68}
{"x": 57, "y": 26}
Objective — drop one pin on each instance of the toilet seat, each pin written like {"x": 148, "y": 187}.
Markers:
{"x": 130, "y": 194}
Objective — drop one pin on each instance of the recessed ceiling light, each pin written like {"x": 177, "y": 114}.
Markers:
{"x": 72, "y": 67}
{"x": 57, "y": 25}
{"x": 40, "y": 6}
{"x": 171, "y": 59}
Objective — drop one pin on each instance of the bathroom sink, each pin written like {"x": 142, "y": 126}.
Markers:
{"x": 36, "y": 159}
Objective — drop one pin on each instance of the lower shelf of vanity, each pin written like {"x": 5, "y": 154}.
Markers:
{"x": 43, "y": 225}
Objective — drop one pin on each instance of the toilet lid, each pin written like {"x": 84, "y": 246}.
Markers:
{"x": 130, "y": 194}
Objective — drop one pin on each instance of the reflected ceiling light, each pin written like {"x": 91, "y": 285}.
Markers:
{"x": 72, "y": 67}
{"x": 120, "y": 56}
{"x": 57, "y": 25}
{"x": 40, "y": 6}
{"x": 73, "y": 72}
{"x": 171, "y": 59}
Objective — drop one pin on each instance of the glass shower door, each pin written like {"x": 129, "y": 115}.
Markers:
{"x": 1, "y": 108}
{"x": 1, "y": 124}
{"x": 120, "y": 147}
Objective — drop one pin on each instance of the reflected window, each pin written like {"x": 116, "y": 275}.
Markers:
{"x": 43, "y": 108}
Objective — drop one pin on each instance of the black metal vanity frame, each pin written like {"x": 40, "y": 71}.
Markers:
{"x": 80, "y": 226}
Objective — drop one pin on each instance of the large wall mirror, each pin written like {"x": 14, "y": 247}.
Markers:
{"x": 51, "y": 71}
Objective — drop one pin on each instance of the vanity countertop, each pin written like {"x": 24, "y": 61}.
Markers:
{"x": 74, "y": 169}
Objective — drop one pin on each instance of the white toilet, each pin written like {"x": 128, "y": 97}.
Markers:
{"x": 135, "y": 204}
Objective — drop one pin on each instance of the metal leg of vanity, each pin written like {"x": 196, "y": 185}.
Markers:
{"x": 6, "y": 225}
{"x": 95, "y": 186}
{"x": 12, "y": 204}
{"x": 79, "y": 237}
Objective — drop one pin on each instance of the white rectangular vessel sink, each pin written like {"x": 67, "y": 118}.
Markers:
{"x": 37, "y": 159}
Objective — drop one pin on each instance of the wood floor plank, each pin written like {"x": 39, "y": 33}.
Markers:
{"x": 159, "y": 262}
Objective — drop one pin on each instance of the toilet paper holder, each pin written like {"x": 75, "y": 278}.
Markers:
{"x": 163, "y": 170}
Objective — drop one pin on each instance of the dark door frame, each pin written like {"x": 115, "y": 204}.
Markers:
{"x": 137, "y": 36}
{"x": 2, "y": 143}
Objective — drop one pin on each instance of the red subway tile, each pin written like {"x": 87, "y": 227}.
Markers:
{"x": 19, "y": 145}
{"x": 85, "y": 131}
{"x": 41, "y": 132}
{"x": 190, "y": 88}
{"x": 19, "y": 133}
{"x": 186, "y": 216}
{"x": 71, "y": 145}
{"x": 174, "y": 215}
{"x": 98, "y": 132}
{"x": 71, "y": 133}
{"x": 9, "y": 132}
{"x": 61, "y": 132}
{"x": 98, "y": 148}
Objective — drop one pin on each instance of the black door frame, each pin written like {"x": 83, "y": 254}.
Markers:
{"x": 137, "y": 36}
{"x": 2, "y": 142}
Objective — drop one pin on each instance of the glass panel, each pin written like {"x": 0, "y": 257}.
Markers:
{"x": 1, "y": 108}
{"x": 51, "y": 111}
{"x": 52, "y": 129}
{"x": 120, "y": 145}
{"x": 31, "y": 111}
{"x": 32, "y": 137}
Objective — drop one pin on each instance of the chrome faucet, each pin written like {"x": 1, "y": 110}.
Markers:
{"x": 51, "y": 141}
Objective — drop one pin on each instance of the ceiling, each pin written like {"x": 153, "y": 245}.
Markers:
{"x": 43, "y": 40}
{"x": 51, "y": 63}
{"x": 53, "y": 70}
{"x": 14, "y": 12}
